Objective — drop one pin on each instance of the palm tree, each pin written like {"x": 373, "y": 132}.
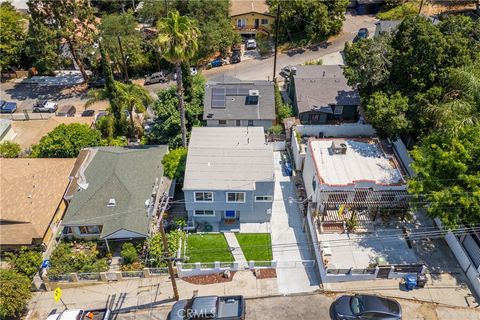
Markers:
{"x": 133, "y": 98}
{"x": 177, "y": 40}
{"x": 461, "y": 104}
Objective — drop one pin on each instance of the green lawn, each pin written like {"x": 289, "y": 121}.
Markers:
{"x": 208, "y": 248}
{"x": 255, "y": 246}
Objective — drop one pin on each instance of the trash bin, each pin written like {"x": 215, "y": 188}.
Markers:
{"x": 421, "y": 280}
{"x": 288, "y": 168}
{"x": 410, "y": 281}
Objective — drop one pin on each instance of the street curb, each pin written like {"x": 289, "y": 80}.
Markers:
{"x": 326, "y": 292}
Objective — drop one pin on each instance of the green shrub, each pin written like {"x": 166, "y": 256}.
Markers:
{"x": 285, "y": 111}
{"x": 9, "y": 149}
{"x": 15, "y": 293}
{"x": 276, "y": 129}
{"x": 155, "y": 247}
{"x": 64, "y": 260}
{"x": 174, "y": 163}
{"x": 129, "y": 253}
{"x": 398, "y": 13}
{"x": 263, "y": 44}
{"x": 314, "y": 62}
{"x": 26, "y": 262}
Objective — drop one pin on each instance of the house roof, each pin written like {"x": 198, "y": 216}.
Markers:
{"x": 386, "y": 26}
{"x": 227, "y": 158}
{"x": 235, "y": 92}
{"x": 126, "y": 174}
{"x": 239, "y": 7}
{"x": 318, "y": 87}
{"x": 364, "y": 160}
{"x": 30, "y": 192}
{"x": 30, "y": 132}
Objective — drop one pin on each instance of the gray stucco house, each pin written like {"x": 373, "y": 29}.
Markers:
{"x": 320, "y": 94}
{"x": 110, "y": 193}
{"x": 229, "y": 178}
{"x": 230, "y": 102}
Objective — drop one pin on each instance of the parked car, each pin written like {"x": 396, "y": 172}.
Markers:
{"x": 286, "y": 71}
{"x": 193, "y": 71}
{"x": 100, "y": 114}
{"x": 218, "y": 62}
{"x": 88, "y": 113}
{"x": 98, "y": 83}
{"x": 157, "y": 77}
{"x": 209, "y": 307}
{"x": 67, "y": 111}
{"x": 8, "y": 107}
{"x": 250, "y": 44}
{"x": 78, "y": 314}
{"x": 236, "y": 56}
{"x": 366, "y": 307}
{"x": 45, "y": 106}
{"x": 363, "y": 33}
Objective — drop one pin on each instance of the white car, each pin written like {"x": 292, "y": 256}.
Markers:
{"x": 251, "y": 44}
{"x": 45, "y": 106}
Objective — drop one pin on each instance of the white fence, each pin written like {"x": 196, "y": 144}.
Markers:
{"x": 199, "y": 269}
{"x": 298, "y": 151}
{"x": 341, "y": 130}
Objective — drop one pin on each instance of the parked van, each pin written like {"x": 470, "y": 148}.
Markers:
{"x": 67, "y": 111}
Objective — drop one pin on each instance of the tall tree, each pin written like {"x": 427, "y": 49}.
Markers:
{"x": 448, "y": 176}
{"x": 124, "y": 26}
{"x": 177, "y": 39}
{"x": 12, "y": 35}
{"x": 316, "y": 19}
{"x": 72, "y": 20}
{"x": 133, "y": 98}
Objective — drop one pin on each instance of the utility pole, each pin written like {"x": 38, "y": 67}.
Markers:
{"x": 160, "y": 210}
{"x": 123, "y": 59}
{"x": 421, "y": 6}
{"x": 276, "y": 44}
{"x": 168, "y": 258}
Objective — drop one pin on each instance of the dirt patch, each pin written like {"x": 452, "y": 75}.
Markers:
{"x": 265, "y": 273}
{"x": 428, "y": 311}
{"x": 434, "y": 8}
{"x": 209, "y": 278}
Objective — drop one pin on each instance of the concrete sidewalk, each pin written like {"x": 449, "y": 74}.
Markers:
{"x": 145, "y": 293}
{"x": 442, "y": 289}
{"x": 236, "y": 249}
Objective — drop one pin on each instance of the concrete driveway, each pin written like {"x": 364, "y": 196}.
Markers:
{"x": 288, "y": 239}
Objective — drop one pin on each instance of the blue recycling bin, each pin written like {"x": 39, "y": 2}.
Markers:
{"x": 410, "y": 281}
{"x": 288, "y": 169}
{"x": 45, "y": 264}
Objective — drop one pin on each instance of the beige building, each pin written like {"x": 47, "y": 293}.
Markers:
{"x": 31, "y": 200}
{"x": 251, "y": 16}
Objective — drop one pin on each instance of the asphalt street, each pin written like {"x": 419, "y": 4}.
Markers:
{"x": 253, "y": 69}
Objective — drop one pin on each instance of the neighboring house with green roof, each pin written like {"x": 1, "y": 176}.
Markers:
{"x": 110, "y": 193}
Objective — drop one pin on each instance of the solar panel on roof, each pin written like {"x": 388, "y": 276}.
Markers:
{"x": 218, "y": 91}
{"x": 232, "y": 91}
{"x": 218, "y": 97}
{"x": 243, "y": 91}
{"x": 218, "y": 103}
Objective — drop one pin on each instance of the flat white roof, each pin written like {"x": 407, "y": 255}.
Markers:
{"x": 229, "y": 158}
{"x": 363, "y": 160}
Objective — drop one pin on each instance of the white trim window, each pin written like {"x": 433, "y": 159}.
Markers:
{"x": 203, "y": 196}
{"x": 90, "y": 230}
{"x": 203, "y": 213}
{"x": 235, "y": 197}
{"x": 338, "y": 110}
{"x": 241, "y": 23}
{"x": 263, "y": 198}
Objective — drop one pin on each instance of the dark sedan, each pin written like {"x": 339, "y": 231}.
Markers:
{"x": 366, "y": 307}
{"x": 363, "y": 33}
{"x": 8, "y": 107}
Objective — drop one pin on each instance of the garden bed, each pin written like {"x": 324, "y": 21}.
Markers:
{"x": 209, "y": 279}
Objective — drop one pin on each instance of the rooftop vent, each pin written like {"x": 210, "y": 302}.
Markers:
{"x": 339, "y": 147}
{"x": 111, "y": 203}
{"x": 252, "y": 97}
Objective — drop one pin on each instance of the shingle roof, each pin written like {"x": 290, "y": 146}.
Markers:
{"x": 235, "y": 103}
{"x": 228, "y": 158}
{"x": 318, "y": 87}
{"x": 30, "y": 192}
{"x": 246, "y": 6}
{"x": 126, "y": 174}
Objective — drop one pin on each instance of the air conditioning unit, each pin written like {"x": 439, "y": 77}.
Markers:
{"x": 339, "y": 147}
